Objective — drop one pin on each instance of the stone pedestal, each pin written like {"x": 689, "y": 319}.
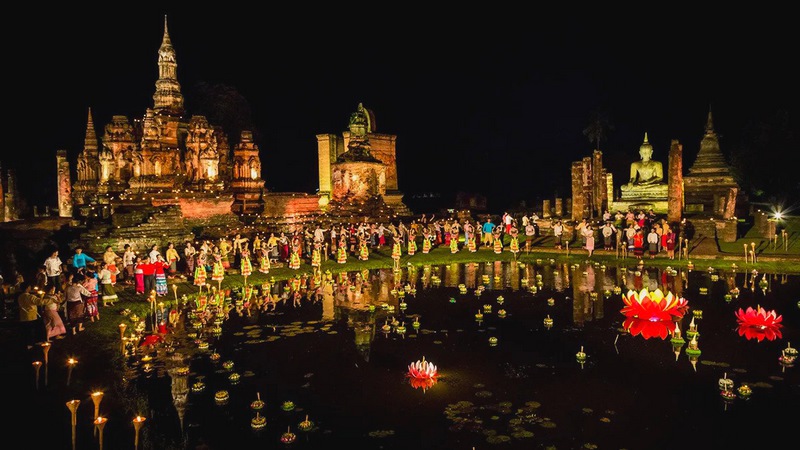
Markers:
{"x": 357, "y": 180}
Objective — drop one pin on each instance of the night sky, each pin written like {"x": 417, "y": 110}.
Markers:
{"x": 487, "y": 106}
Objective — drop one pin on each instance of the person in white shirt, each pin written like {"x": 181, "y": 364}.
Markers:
{"x": 558, "y": 230}
{"x": 128, "y": 262}
{"x": 652, "y": 243}
{"x": 52, "y": 268}
{"x": 608, "y": 230}
{"x": 154, "y": 252}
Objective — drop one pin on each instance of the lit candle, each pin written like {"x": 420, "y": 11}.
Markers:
{"x": 138, "y": 421}
{"x": 72, "y": 405}
{"x": 99, "y": 423}
{"x": 122, "y": 328}
{"x": 70, "y": 365}
{"x": 36, "y": 366}
{"x": 97, "y": 397}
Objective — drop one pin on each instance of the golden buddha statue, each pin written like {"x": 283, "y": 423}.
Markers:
{"x": 646, "y": 176}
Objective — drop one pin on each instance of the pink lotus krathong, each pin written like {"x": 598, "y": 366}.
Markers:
{"x": 759, "y": 324}
{"x": 654, "y": 306}
{"x": 648, "y": 328}
{"x": 422, "y": 374}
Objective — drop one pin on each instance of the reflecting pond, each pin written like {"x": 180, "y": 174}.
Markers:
{"x": 335, "y": 357}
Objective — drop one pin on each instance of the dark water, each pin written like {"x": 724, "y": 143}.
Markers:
{"x": 332, "y": 359}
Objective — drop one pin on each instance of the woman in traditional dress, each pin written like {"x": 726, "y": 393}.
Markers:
{"x": 670, "y": 243}
{"x": 161, "y": 267}
{"x": 514, "y": 246}
{"x": 316, "y": 254}
{"x": 294, "y": 256}
{"x": 638, "y": 244}
{"x": 110, "y": 257}
{"x": 341, "y": 250}
{"x": 412, "y": 241}
{"x": 498, "y": 240}
{"x": 53, "y": 325}
{"x": 246, "y": 266}
{"x": 363, "y": 249}
{"x": 90, "y": 282}
{"x": 107, "y": 290}
{"x": 426, "y": 240}
{"x": 217, "y": 269}
{"x": 200, "y": 269}
{"x": 139, "y": 276}
{"x": 263, "y": 260}
{"x": 454, "y": 235}
{"x": 589, "y": 240}
{"x": 397, "y": 252}
{"x": 172, "y": 258}
{"x": 74, "y": 294}
{"x": 652, "y": 243}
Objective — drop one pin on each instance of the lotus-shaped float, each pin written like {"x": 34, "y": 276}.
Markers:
{"x": 648, "y": 328}
{"x": 422, "y": 374}
{"x": 654, "y": 306}
{"x": 759, "y": 324}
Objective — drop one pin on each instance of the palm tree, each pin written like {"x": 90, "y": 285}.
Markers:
{"x": 599, "y": 125}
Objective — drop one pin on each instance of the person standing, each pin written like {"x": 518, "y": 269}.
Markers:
{"x": 30, "y": 321}
{"x": 52, "y": 268}
{"x": 76, "y": 309}
{"x": 189, "y": 258}
{"x": 488, "y": 229}
{"x": 172, "y": 259}
{"x": 638, "y": 243}
{"x": 53, "y": 325}
{"x": 149, "y": 275}
{"x": 154, "y": 253}
{"x": 105, "y": 276}
{"x": 80, "y": 259}
{"x": 589, "y": 235}
{"x": 652, "y": 242}
{"x": 530, "y": 232}
{"x": 159, "y": 274}
{"x": 110, "y": 259}
{"x": 90, "y": 282}
{"x": 558, "y": 232}
{"x": 129, "y": 263}
{"x": 608, "y": 230}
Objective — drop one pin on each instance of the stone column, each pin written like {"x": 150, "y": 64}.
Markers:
{"x": 546, "y": 209}
{"x": 559, "y": 207}
{"x": 10, "y": 199}
{"x": 2, "y": 198}
{"x": 609, "y": 189}
{"x": 568, "y": 208}
{"x": 730, "y": 203}
{"x": 675, "y": 189}
{"x": 578, "y": 193}
{"x": 326, "y": 149}
{"x": 599, "y": 184}
{"x": 64, "y": 185}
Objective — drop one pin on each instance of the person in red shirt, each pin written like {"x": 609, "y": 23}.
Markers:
{"x": 149, "y": 273}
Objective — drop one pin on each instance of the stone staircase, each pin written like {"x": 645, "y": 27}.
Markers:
{"x": 140, "y": 227}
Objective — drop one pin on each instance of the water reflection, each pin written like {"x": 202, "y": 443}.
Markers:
{"x": 339, "y": 354}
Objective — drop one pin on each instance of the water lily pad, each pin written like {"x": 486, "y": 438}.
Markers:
{"x": 381, "y": 433}
{"x": 547, "y": 424}
{"x": 522, "y": 434}
{"x": 587, "y": 410}
{"x": 533, "y": 404}
{"x": 589, "y": 446}
{"x": 605, "y": 420}
{"x": 483, "y": 394}
{"x": 498, "y": 439}
{"x": 478, "y": 385}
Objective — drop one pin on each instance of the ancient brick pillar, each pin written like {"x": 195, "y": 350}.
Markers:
{"x": 599, "y": 190}
{"x": 578, "y": 193}
{"x": 675, "y": 172}
{"x": 558, "y": 207}
{"x": 64, "y": 184}
{"x": 545, "y": 208}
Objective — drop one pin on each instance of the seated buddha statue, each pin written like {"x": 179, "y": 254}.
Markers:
{"x": 646, "y": 175}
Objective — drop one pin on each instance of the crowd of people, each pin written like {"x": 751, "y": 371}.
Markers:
{"x": 64, "y": 295}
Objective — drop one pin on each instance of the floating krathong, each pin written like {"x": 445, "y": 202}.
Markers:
{"x": 214, "y": 357}
{"x": 697, "y": 313}
{"x": 580, "y": 356}
{"x": 493, "y": 341}
{"x": 234, "y": 378}
{"x": 744, "y": 391}
{"x": 288, "y": 437}
{"x": 487, "y": 308}
{"x": 221, "y": 397}
{"x": 422, "y": 370}
{"x": 479, "y": 316}
{"x": 759, "y": 324}
{"x": 551, "y": 301}
{"x": 305, "y": 425}
{"x": 606, "y": 294}
{"x": 501, "y": 313}
{"x": 227, "y": 365}
{"x": 548, "y": 322}
{"x": 415, "y": 323}
{"x": 692, "y": 332}
{"x": 403, "y": 306}
{"x": 257, "y": 404}
{"x": 725, "y": 383}
{"x": 288, "y": 405}
{"x": 653, "y": 306}
{"x": 647, "y": 328}
{"x": 728, "y": 396}
{"x": 617, "y": 290}
{"x": 198, "y": 387}
{"x": 677, "y": 339}
{"x": 462, "y": 288}
{"x": 500, "y": 299}
{"x": 258, "y": 422}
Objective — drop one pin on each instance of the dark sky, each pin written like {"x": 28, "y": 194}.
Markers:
{"x": 478, "y": 104}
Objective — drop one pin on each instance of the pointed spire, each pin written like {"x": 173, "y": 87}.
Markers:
{"x": 645, "y": 138}
{"x": 166, "y": 39}
{"x": 709, "y": 123}
{"x": 90, "y": 141}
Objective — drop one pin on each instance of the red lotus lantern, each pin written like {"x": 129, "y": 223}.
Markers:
{"x": 422, "y": 374}
{"x": 759, "y": 324}
{"x": 648, "y": 328}
{"x": 654, "y": 306}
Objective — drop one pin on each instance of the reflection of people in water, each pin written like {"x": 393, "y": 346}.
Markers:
{"x": 646, "y": 171}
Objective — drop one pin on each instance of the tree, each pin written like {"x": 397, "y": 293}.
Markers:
{"x": 599, "y": 126}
